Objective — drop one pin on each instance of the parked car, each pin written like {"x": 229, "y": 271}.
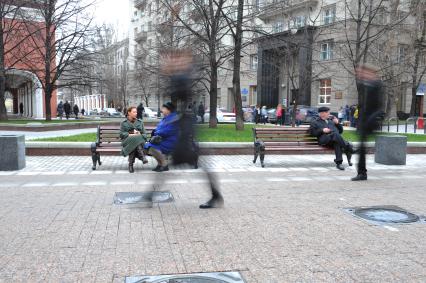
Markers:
{"x": 149, "y": 113}
{"x": 223, "y": 116}
{"x": 272, "y": 115}
{"x": 95, "y": 111}
{"x": 248, "y": 114}
{"x": 307, "y": 113}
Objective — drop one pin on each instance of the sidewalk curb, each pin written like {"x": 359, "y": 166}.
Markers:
{"x": 206, "y": 148}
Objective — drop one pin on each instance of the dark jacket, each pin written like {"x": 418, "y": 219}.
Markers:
{"x": 67, "y": 108}
{"x": 76, "y": 110}
{"x": 317, "y": 127}
{"x": 371, "y": 105}
{"x": 168, "y": 130}
{"x": 201, "y": 110}
{"x": 140, "y": 110}
{"x": 60, "y": 109}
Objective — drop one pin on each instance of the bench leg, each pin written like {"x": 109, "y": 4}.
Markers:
{"x": 95, "y": 156}
{"x": 262, "y": 158}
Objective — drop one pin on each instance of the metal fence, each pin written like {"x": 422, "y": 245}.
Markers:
{"x": 401, "y": 126}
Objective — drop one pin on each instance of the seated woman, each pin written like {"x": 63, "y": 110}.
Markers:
{"x": 164, "y": 137}
{"x": 133, "y": 137}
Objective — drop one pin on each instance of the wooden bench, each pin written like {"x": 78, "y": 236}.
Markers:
{"x": 284, "y": 139}
{"x": 108, "y": 141}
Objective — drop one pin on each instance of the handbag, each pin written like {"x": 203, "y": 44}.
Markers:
{"x": 155, "y": 140}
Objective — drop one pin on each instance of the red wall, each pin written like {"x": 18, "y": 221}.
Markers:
{"x": 30, "y": 51}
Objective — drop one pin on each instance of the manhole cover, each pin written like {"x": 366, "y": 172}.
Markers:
{"x": 218, "y": 277}
{"x": 141, "y": 197}
{"x": 385, "y": 214}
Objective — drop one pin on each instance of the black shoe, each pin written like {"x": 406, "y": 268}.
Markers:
{"x": 340, "y": 167}
{"x": 162, "y": 169}
{"x": 213, "y": 203}
{"x": 360, "y": 177}
{"x": 349, "y": 157}
{"x": 156, "y": 168}
{"x": 131, "y": 169}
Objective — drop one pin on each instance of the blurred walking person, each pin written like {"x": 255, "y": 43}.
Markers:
{"x": 178, "y": 67}
{"x": 370, "y": 90}
{"x": 264, "y": 115}
{"x": 279, "y": 113}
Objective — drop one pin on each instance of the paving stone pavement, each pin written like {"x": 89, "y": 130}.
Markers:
{"x": 282, "y": 223}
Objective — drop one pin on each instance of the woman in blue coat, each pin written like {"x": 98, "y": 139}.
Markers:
{"x": 164, "y": 137}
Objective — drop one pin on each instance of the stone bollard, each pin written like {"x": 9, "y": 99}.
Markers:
{"x": 391, "y": 150}
{"x": 12, "y": 152}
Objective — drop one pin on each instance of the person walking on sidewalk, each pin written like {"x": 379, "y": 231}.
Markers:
{"x": 21, "y": 109}
{"x": 178, "y": 67}
{"x": 140, "y": 110}
{"x": 76, "y": 111}
{"x": 60, "y": 110}
{"x": 67, "y": 109}
{"x": 133, "y": 138}
{"x": 370, "y": 89}
{"x": 201, "y": 112}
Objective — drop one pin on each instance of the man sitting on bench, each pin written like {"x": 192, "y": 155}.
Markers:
{"x": 328, "y": 129}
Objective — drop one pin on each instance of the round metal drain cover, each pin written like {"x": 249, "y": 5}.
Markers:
{"x": 386, "y": 215}
{"x": 179, "y": 279}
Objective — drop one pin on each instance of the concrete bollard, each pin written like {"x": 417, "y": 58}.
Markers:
{"x": 391, "y": 150}
{"x": 12, "y": 152}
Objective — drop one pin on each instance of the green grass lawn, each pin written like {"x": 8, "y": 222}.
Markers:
{"x": 226, "y": 133}
{"x": 26, "y": 121}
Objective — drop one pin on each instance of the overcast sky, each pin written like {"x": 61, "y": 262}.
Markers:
{"x": 114, "y": 12}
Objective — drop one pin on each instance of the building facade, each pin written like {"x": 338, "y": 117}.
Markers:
{"x": 23, "y": 86}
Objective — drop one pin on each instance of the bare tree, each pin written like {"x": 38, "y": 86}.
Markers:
{"x": 66, "y": 24}
{"x": 205, "y": 22}
{"x": 12, "y": 34}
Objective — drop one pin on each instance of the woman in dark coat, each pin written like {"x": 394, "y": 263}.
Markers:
{"x": 76, "y": 111}
{"x": 133, "y": 137}
{"x": 164, "y": 137}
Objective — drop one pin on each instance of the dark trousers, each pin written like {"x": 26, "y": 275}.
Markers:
{"x": 362, "y": 167}
{"x": 336, "y": 141}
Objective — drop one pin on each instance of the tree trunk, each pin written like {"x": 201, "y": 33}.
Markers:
{"x": 47, "y": 97}
{"x": 213, "y": 86}
{"x": 3, "y": 111}
{"x": 239, "y": 125}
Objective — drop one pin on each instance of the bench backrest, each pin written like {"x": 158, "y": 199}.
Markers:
{"x": 284, "y": 136}
{"x": 110, "y": 135}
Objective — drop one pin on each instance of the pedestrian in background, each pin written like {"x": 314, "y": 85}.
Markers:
{"x": 83, "y": 111}
{"x": 76, "y": 111}
{"x": 279, "y": 114}
{"x": 140, "y": 111}
{"x": 371, "y": 107}
{"x": 341, "y": 114}
{"x": 67, "y": 109}
{"x": 60, "y": 110}
{"x": 21, "y": 109}
{"x": 264, "y": 115}
{"x": 201, "y": 112}
{"x": 347, "y": 112}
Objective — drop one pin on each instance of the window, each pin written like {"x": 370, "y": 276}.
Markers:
{"x": 380, "y": 51}
{"x": 277, "y": 27}
{"x": 325, "y": 91}
{"x": 253, "y": 62}
{"x": 326, "y": 51}
{"x": 380, "y": 17}
{"x": 299, "y": 21}
{"x": 329, "y": 14}
{"x": 402, "y": 53}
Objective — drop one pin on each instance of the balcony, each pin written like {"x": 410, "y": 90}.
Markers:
{"x": 273, "y": 8}
{"x": 140, "y": 4}
{"x": 141, "y": 36}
